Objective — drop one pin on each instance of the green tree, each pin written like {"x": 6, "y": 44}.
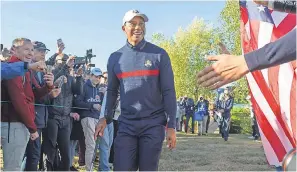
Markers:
{"x": 187, "y": 49}
{"x": 230, "y": 35}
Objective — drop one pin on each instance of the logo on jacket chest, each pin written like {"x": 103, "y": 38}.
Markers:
{"x": 148, "y": 63}
{"x": 94, "y": 100}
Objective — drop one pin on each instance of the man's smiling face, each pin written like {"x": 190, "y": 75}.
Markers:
{"x": 135, "y": 29}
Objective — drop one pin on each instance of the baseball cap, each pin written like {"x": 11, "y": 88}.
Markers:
{"x": 129, "y": 15}
{"x": 96, "y": 72}
{"x": 40, "y": 45}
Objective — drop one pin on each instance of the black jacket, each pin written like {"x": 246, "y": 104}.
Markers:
{"x": 64, "y": 101}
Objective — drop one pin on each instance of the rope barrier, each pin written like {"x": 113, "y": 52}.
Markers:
{"x": 44, "y": 105}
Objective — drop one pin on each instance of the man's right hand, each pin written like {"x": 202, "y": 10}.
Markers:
{"x": 100, "y": 128}
{"x": 34, "y": 136}
{"x": 60, "y": 49}
{"x": 38, "y": 66}
{"x": 70, "y": 61}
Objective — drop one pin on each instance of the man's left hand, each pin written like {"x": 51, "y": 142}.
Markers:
{"x": 100, "y": 128}
{"x": 75, "y": 116}
{"x": 171, "y": 138}
{"x": 55, "y": 92}
{"x": 49, "y": 79}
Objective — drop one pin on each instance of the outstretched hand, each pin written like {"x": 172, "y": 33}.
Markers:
{"x": 225, "y": 69}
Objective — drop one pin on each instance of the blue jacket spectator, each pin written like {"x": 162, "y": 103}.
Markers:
{"x": 202, "y": 107}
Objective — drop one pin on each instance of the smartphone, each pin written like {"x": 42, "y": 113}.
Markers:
{"x": 60, "y": 42}
{"x": 61, "y": 83}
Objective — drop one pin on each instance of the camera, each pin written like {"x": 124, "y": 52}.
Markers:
{"x": 83, "y": 61}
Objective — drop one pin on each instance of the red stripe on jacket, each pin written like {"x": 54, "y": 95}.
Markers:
{"x": 138, "y": 73}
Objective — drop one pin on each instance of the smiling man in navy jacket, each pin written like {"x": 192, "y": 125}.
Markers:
{"x": 144, "y": 75}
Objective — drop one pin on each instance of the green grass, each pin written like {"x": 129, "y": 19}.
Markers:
{"x": 212, "y": 153}
{"x": 209, "y": 153}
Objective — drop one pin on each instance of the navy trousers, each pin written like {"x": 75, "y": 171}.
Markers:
{"x": 188, "y": 116}
{"x": 139, "y": 146}
{"x": 225, "y": 126}
{"x": 33, "y": 151}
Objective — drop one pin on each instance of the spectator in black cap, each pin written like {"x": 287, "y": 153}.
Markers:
{"x": 33, "y": 150}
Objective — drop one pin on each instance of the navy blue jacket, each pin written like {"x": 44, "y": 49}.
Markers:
{"x": 145, "y": 78}
{"x": 275, "y": 53}
{"x": 227, "y": 106}
{"x": 190, "y": 106}
{"x": 90, "y": 96}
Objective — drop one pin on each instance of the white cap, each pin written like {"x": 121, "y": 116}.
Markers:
{"x": 129, "y": 15}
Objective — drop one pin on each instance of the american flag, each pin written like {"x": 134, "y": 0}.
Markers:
{"x": 273, "y": 90}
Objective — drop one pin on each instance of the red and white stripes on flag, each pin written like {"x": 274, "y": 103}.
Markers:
{"x": 273, "y": 90}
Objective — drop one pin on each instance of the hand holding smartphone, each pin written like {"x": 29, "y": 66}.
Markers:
{"x": 61, "y": 46}
{"x": 60, "y": 81}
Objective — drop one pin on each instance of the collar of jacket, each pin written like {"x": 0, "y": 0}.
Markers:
{"x": 139, "y": 46}
{"x": 14, "y": 59}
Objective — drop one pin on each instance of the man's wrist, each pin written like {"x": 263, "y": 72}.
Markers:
{"x": 244, "y": 67}
{"x": 103, "y": 119}
{"x": 108, "y": 119}
{"x": 50, "y": 87}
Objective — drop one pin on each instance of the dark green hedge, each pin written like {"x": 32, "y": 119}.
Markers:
{"x": 240, "y": 121}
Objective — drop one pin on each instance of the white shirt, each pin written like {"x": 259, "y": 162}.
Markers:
{"x": 103, "y": 106}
